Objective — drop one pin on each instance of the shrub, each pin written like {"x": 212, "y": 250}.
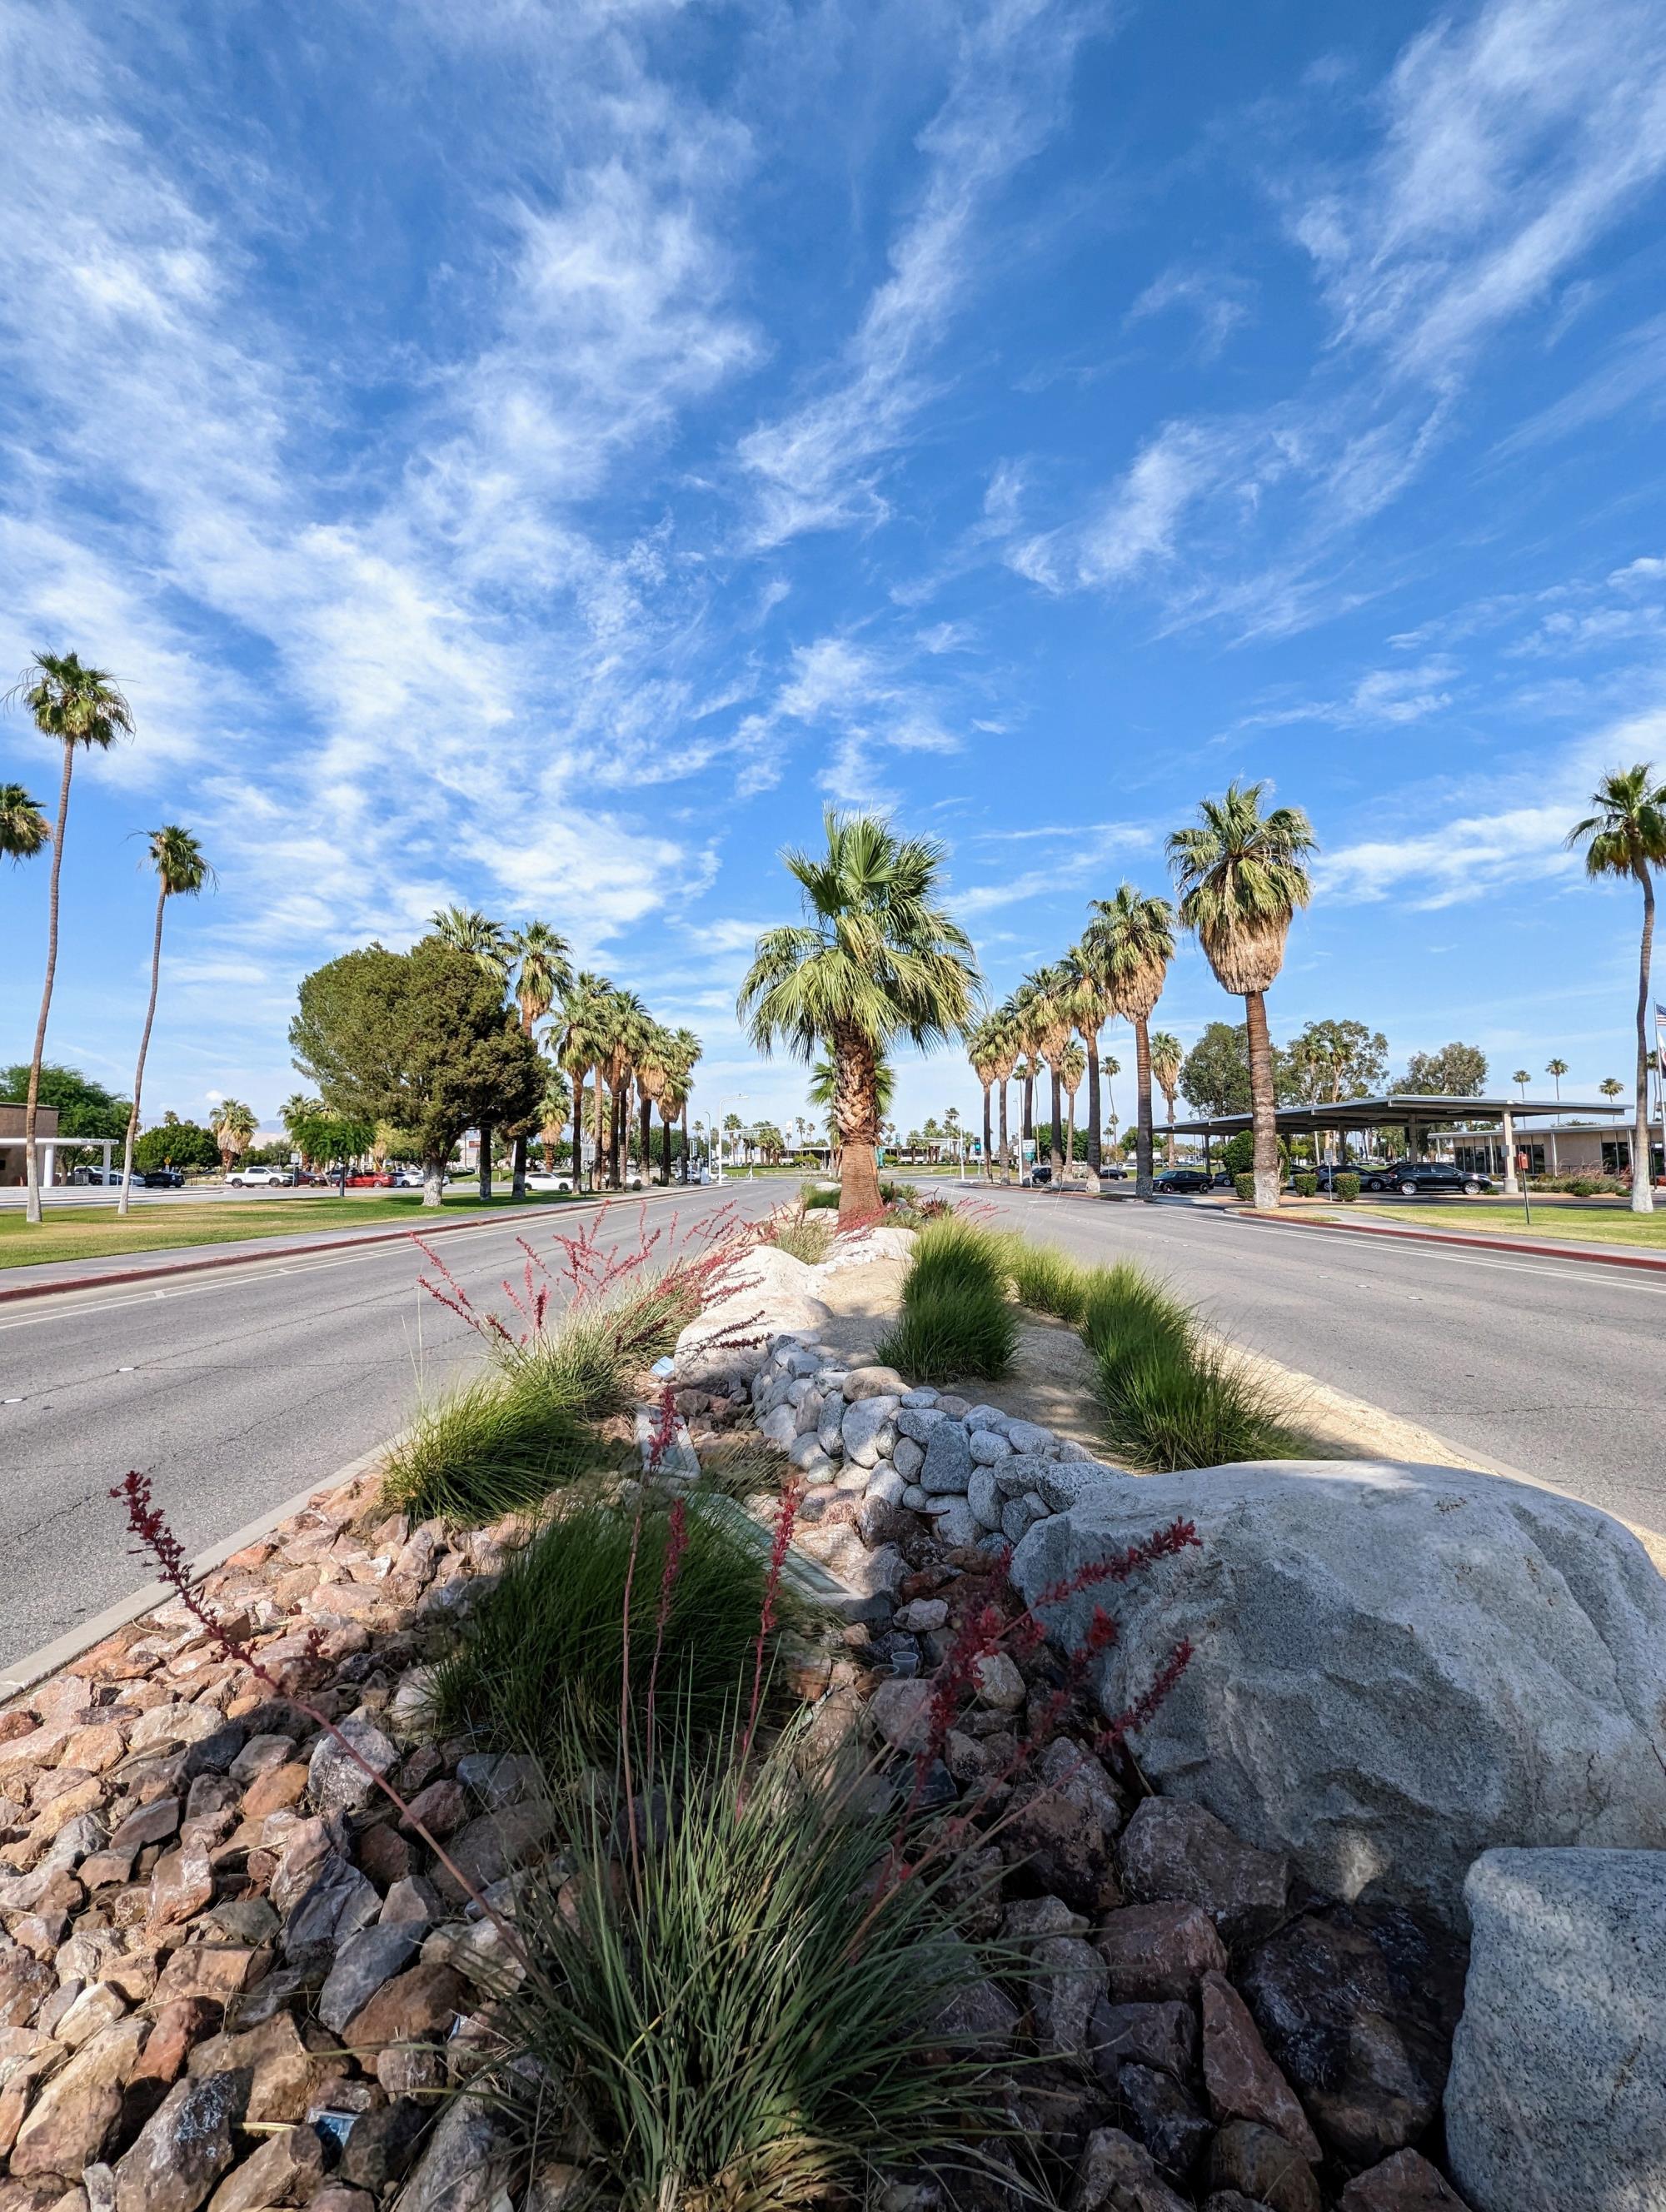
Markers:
{"x": 1245, "y": 1185}
{"x": 496, "y": 1444}
{"x": 1046, "y": 1279}
{"x": 956, "y": 1318}
{"x": 1347, "y": 1187}
{"x": 805, "y": 1239}
{"x": 541, "y": 1659}
{"x": 756, "y": 2012}
{"x": 815, "y": 1195}
{"x": 1307, "y": 1185}
{"x": 1583, "y": 1186}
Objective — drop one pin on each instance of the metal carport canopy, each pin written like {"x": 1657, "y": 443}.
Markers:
{"x": 1408, "y": 1108}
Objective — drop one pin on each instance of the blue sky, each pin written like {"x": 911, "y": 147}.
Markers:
{"x": 537, "y": 453}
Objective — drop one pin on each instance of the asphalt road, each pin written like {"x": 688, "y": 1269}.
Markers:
{"x": 234, "y": 1390}
{"x": 1553, "y": 1367}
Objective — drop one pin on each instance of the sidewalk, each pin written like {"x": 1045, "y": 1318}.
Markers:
{"x": 1605, "y": 1256}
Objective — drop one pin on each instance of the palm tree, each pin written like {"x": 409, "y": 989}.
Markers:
{"x": 1610, "y": 1087}
{"x": 1166, "y": 1057}
{"x": 1050, "y": 1013}
{"x": 688, "y": 1049}
{"x": 79, "y": 707}
{"x": 1095, "y": 1005}
{"x": 181, "y": 872}
{"x": 1003, "y": 1050}
{"x": 234, "y": 1124}
{"x": 1521, "y": 1079}
{"x": 1130, "y": 940}
{"x": 1555, "y": 1069}
{"x": 543, "y": 974}
{"x": 1072, "y": 1065}
{"x": 582, "y": 1044}
{"x": 983, "y": 1051}
{"x": 875, "y": 959}
{"x": 1626, "y": 835}
{"x": 654, "y": 1071}
{"x": 467, "y": 930}
{"x": 554, "y": 1106}
{"x": 1242, "y": 877}
{"x": 23, "y": 828}
{"x": 1110, "y": 1069}
{"x": 628, "y": 1024}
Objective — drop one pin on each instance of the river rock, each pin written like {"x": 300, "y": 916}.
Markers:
{"x": 1556, "y": 2098}
{"x": 865, "y": 1422}
{"x": 1396, "y": 1666}
{"x": 948, "y": 1462}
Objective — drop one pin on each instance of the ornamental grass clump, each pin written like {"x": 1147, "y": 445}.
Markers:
{"x": 543, "y": 1657}
{"x": 499, "y": 1443}
{"x": 1048, "y": 1280}
{"x": 956, "y": 1319}
{"x": 805, "y": 1236}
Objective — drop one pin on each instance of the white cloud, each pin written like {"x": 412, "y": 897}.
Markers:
{"x": 1219, "y": 301}
{"x": 1082, "y": 864}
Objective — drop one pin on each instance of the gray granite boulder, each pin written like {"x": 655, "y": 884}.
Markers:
{"x": 1396, "y": 1667}
{"x": 865, "y": 1423}
{"x": 948, "y": 1463}
{"x": 1557, "y": 2095}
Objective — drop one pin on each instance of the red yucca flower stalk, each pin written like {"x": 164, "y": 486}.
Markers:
{"x": 677, "y": 1542}
{"x": 787, "y": 1514}
{"x": 154, "y": 1539}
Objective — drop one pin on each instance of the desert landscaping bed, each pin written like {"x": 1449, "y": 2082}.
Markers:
{"x": 1282, "y": 1837}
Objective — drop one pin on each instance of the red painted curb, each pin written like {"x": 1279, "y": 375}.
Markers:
{"x": 244, "y": 1255}
{"x": 1469, "y": 1243}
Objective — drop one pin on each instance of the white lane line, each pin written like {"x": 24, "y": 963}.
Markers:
{"x": 1567, "y": 1273}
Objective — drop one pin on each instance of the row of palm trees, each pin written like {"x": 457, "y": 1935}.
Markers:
{"x": 608, "y": 1056}
{"x": 83, "y": 709}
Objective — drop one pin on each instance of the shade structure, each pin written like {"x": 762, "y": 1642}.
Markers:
{"x": 1406, "y": 1110}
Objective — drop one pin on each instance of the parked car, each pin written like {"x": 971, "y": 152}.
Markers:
{"x": 1177, "y": 1181}
{"x": 1427, "y": 1179}
{"x": 261, "y": 1178}
{"x": 1039, "y": 1174}
{"x": 407, "y": 1178}
{"x": 160, "y": 1179}
{"x": 1112, "y": 1172}
{"x": 371, "y": 1179}
{"x": 550, "y": 1179}
{"x": 101, "y": 1176}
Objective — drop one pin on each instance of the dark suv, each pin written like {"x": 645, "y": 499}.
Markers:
{"x": 1183, "y": 1180}
{"x": 1425, "y": 1179}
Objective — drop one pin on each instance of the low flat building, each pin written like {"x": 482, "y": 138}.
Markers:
{"x": 12, "y": 1176}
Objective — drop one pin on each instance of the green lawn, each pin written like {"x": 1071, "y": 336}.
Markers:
{"x": 1587, "y": 1221}
{"x": 94, "y": 1232}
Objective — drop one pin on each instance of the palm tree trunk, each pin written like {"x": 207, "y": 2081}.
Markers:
{"x": 31, "y": 1162}
{"x": 612, "y": 1136}
{"x": 1056, "y": 1132}
{"x": 855, "y": 1110}
{"x": 1029, "y": 1128}
{"x": 1006, "y": 1148}
{"x": 596, "y": 1164}
{"x": 1095, "y": 1153}
{"x": 1142, "y": 1106}
{"x": 1168, "y": 1134}
{"x": 646, "y": 1106}
{"x": 686, "y": 1140}
{"x": 665, "y": 1149}
{"x": 1261, "y": 1100}
{"x": 1643, "y": 1196}
{"x": 518, "y": 1187}
{"x": 485, "y": 1159}
{"x": 988, "y": 1162}
{"x": 1070, "y": 1136}
{"x": 124, "y": 1196}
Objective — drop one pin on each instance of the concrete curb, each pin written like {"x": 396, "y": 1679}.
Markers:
{"x": 62, "y": 1650}
{"x": 121, "y": 1279}
{"x": 1650, "y": 1266}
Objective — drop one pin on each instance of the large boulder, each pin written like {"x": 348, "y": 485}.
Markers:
{"x": 1555, "y": 2097}
{"x": 730, "y": 1341}
{"x": 1395, "y": 1668}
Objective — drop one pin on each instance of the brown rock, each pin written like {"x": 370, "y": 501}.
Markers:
{"x": 1171, "y": 1851}
{"x": 441, "y": 1807}
{"x": 1164, "y": 2035}
{"x": 336, "y": 2198}
{"x": 1117, "y": 2175}
{"x": 384, "y": 1855}
{"x": 184, "y": 2147}
{"x": 179, "y": 2026}
{"x": 152, "y": 1824}
{"x": 1262, "y": 2164}
{"x": 182, "y": 1885}
{"x": 278, "y": 1786}
{"x": 24, "y": 1982}
{"x": 286, "y": 2169}
{"x": 1404, "y": 2183}
{"x": 1357, "y": 2006}
{"x": 1242, "y": 2083}
{"x": 415, "y": 2006}
{"x": 74, "y": 2113}
{"x": 382, "y": 2144}
{"x": 219, "y": 1970}
{"x": 495, "y": 1844}
{"x": 1156, "y": 1951}
{"x": 1065, "y": 1833}
{"x": 94, "y": 1750}
{"x": 281, "y": 2070}
{"x": 99, "y": 1869}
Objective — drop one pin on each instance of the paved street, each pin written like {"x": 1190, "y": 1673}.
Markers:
{"x": 234, "y": 1389}
{"x": 1553, "y": 1367}
{"x": 238, "y": 1388}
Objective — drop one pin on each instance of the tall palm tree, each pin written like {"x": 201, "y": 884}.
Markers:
{"x": 24, "y": 829}
{"x": 181, "y": 872}
{"x": 1242, "y": 877}
{"x": 1051, "y": 1015}
{"x": 1555, "y": 1069}
{"x": 555, "y": 1103}
{"x": 1130, "y": 941}
{"x": 80, "y": 707}
{"x": 1095, "y": 1005}
{"x": 983, "y": 1051}
{"x": 1626, "y": 835}
{"x": 1004, "y": 1048}
{"x": 1610, "y": 1087}
{"x": 1521, "y": 1079}
{"x": 234, "y": 1124}
{"x": 1027, "y": 1011}
{"x": 1166, "y": 1058}
{"x": 580, "y": 1045}
{"x": 628, "y": 1026}
{"x": 1110, "y": 1069}
{"x": 876, "y": 958}
{"x": 542, "y": 972}
{"x": 467, "y": 930}
{"x": 1072, "y": 1065}
{"x": 688, "y": 1049}
{"x": 653, "y": 1072}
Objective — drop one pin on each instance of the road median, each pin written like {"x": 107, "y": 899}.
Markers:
{"x": 1647, "y": 1262}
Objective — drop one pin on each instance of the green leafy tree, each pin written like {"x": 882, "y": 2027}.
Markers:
{"x": 1625, "y": 835}
{"x": 84, "y": 1108}
{"x": 1328, "y": 1061}
{"x": 1130, "y": 940}
{"x": 181, "y": 872}
{"x": 1215, "y": 1073}
{"x": 175, "y": 1143}
{"x": 83, "y": 710}
{"x": 1457, "y": 1071}
{"x": 487, "y": 942}
{"x": 420, "y": 1038}
{"x": 876, "y": 958}
{"x": 24, "y": 829}
{"x": 1242, "y": 877}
